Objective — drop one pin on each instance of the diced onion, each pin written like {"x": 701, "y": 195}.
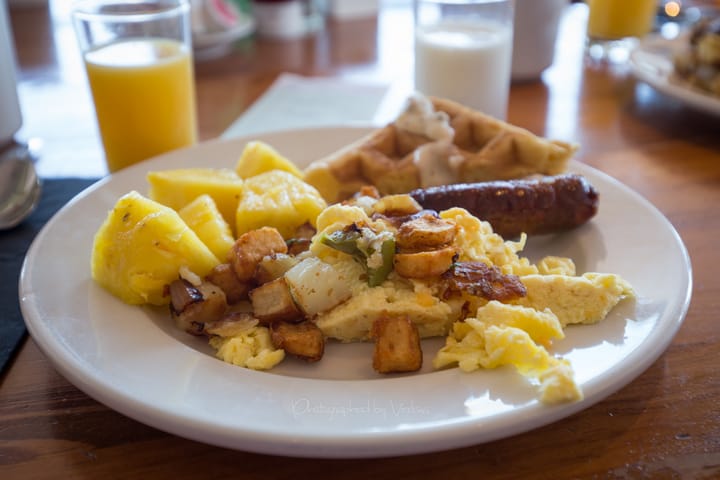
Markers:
{"x": 316, "y": 286}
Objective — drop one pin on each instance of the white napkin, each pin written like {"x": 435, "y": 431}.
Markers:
{"x": 294, "y": 101}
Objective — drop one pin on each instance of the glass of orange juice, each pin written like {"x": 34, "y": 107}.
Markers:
{"x": 615, "y": 25}
{"x": 138, "y": 58}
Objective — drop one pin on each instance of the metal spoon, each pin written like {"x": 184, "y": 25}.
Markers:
{"x": 19, "y": 185}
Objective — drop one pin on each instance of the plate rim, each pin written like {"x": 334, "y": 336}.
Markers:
{"x": 649, "y": 65}
{"x": 351, "y": 445}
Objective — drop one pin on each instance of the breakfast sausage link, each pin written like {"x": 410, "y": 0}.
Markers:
{"x": 537, "y": 206}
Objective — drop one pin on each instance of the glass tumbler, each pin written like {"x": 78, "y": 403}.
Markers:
{"x": 138, "y": 59}
{"x": 463, "y": 52}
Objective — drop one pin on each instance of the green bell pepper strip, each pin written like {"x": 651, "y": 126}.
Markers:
{"x": 377, "y": 276}
{"x": 346, "y": 241}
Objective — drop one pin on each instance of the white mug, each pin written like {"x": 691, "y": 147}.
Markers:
{"x": 10, "y": 117}
{"x": 536, "y": 25}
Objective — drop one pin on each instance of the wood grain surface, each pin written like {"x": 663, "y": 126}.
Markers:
{"x": 664, "y": 424}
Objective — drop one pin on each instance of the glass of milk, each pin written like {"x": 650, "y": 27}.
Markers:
{"x": 463, "y": 52}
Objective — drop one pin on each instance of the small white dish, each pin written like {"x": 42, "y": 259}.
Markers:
{"x": 652, "y": 62}
{"x": 135, "y": 361}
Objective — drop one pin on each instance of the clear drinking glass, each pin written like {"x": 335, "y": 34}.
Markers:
{"x": 463, "y": 52}
{"x": 138, "y": 58}
{"x": 614, "y": 27}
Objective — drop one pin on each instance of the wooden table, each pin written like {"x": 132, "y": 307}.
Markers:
{"x": 665, "y": 424}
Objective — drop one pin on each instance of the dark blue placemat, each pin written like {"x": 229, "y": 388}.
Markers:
{"x": 14, "y": 244}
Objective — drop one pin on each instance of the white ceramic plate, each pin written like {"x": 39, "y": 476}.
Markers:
{"x": 652, "y": 63}
{"x": 135, "y": 361}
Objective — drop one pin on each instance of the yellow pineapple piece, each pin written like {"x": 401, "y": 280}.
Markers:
{"x": 140, "y": 248}
{"x": 204, "y": 218}
{"x": 277, "y": 199}
{"x": 177, "y": 188}
{"x": 259, "y": 157}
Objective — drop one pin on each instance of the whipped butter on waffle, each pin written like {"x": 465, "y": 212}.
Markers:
{"x": 437, "y": 161}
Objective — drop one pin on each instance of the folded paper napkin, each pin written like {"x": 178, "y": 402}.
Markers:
{"x": 14, "y": 244}
{"x": 294, "y": 101}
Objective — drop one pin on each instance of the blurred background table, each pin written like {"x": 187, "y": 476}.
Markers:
{"x": 665, "y": 424}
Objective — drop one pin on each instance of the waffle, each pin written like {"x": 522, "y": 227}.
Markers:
{"x": 479, "y": 148}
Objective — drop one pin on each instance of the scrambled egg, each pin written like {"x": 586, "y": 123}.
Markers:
{"x": 251, "y": 348}
{"x": 516, "y": 333}
{"x": 502, "y": 334}
{"x": 585, "y": 299}
{"x": 351, "y": 321}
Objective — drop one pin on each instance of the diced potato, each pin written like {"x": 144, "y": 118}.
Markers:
{"x": 251, "y": 248}
{"x": 192, "y": 306}
{"x": 259, "y": 157}
{"x": 272, "y": 301}
{"x": 304, "y": 340}
{"x": 177, "y": 188}
{"x": 224, "y": 276}
{"x": 203, "y": 216}
{"x": 140, "y": 248}
{"x": 397, "y": 345}
{"x": 277, "y": 199}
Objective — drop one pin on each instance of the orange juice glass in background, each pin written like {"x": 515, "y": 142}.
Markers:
{"x": 616, "y": 19}
{"x": 614, "y": 27}
{"x": 138, "y": 59}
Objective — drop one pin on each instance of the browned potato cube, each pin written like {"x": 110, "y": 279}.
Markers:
{"x": 304, "y": 340}
{"x": 192, "y": 306}
{"x": 273, "y": 301}
{"x": 397, "y": 345}
{"x": 252, "y": 247}
{"x": 273, "y": 266}
{"x": 224, "y": 277}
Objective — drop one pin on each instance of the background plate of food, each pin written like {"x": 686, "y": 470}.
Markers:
{"x": 134, "y": 359}
{"x": 676, "y": 68}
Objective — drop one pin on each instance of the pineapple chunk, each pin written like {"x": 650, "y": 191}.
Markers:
{"x": 140, "y": 248}
{"x": 259, "y": 157}
{"x": 203, "y": 216}
{"x": 177, "y": 188}
{"x": 277, "y": 199}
